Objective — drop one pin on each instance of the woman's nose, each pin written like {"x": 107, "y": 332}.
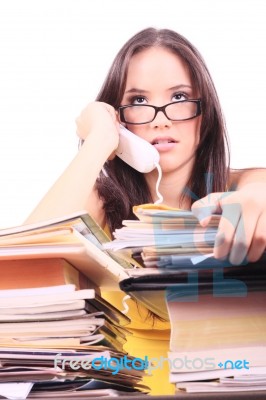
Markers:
{"x": 161, "y": 120}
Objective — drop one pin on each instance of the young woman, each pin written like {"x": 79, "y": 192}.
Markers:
{"x": 159, "y": 87}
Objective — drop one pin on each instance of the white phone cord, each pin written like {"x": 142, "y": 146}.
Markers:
{"x": 160, "y": 197}
{"x": 126, "y": 307}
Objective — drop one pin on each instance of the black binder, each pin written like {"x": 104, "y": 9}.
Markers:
{"x": 230, "y": 278}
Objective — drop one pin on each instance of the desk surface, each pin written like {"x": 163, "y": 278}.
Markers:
{"x": 257, "y": 395}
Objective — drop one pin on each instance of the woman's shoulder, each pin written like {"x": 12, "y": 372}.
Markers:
{"x": 239, "y": 176}
{"x": 234, "y": 177}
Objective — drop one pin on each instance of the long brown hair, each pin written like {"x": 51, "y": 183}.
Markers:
{"x": 124, "y": 186}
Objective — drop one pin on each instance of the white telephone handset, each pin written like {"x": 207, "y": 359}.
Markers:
{"x": 136, "y": 152}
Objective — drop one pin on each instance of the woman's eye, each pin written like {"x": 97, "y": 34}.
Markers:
{"x": 180, "y": 97}
{"x": 138, "y": 100}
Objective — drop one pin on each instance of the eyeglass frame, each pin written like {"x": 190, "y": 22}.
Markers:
{"x": 157, "y": 109}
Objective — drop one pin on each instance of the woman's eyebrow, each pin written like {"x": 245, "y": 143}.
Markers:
{"x": 135, "y": 90}
{"x": 176, "y": 87}
{"x": 181, "y": 86}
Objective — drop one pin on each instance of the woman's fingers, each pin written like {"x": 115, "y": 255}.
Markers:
{"x": 241, "y": 235}
{"x": 258, "y": 243}
{"x": 204, "y": 208}
{"x": 230, "y": 217}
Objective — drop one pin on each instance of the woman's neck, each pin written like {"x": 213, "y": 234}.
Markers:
{"x": 171, "y": 188}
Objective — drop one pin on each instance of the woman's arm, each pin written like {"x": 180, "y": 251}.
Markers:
{"x": 74, "y": 189}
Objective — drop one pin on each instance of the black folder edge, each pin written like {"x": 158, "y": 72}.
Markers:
{"x": 252, "y": 274}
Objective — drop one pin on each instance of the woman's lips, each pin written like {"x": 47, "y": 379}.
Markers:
{"x": 164, "y": 144}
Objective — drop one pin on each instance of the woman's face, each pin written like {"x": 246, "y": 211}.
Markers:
{"x": 157, "y": 76}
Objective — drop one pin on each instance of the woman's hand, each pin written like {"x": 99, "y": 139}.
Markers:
{"x": 242, "y": 229}
{"x": 99, "y": 119}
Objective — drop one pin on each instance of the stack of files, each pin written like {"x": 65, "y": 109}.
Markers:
{"x": 79, "y": 240}
{"x": 59, "y": 341}
{"x": 218, "y": 343}
{"x": 218, "y": 325}
{"x": 175, "y": 249}
{"x": 165, "y": 238}
{"x": 76, "y": 238}
{"x": 161, "y": 231}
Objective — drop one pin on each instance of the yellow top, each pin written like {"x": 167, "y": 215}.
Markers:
{"x": 150, "y": 337}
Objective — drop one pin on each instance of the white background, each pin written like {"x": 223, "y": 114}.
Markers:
{"x": 54, "y": 55}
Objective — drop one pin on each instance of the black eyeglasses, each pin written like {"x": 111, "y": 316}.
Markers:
{"x": 138, "y": 114}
